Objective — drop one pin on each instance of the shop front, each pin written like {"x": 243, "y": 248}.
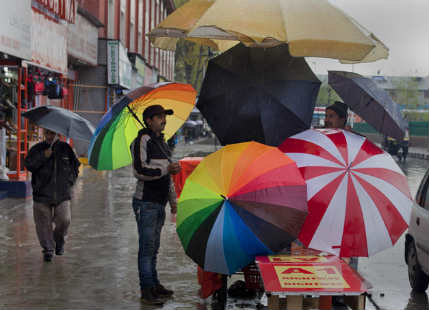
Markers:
{"x": 15, "y": 46}
{"x": 33, "y": 71}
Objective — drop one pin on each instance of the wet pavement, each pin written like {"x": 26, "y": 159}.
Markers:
{"x": 99, "y": 268}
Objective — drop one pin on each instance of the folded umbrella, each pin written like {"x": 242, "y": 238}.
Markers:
{"x": 359, "y": 202}
{"x": 372, "y": 103}
{"x": 244, "y": 200}
{"x": 258, "y": 94}
{"x": 62, "y": 121}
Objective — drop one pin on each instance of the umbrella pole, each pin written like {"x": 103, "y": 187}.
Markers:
{"x": 160, "y": 147}
{"x": 135, "y": 116}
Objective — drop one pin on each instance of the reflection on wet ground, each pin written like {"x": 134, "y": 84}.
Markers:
{"x": 99, "y": 269}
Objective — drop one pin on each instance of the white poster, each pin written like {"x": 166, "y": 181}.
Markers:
{"x": 15, "y": 29}
{"x": 50, "y": 47}
{"x": 82, "y": 40}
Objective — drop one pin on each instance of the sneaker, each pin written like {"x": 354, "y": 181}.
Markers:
{"x": 161, "y": 291}
{"x": 59, "y": 250}
{"x": 47, "y": 257}
{"x": 149, "y": 298}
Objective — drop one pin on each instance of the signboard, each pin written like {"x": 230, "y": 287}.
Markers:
{"x": 15, "y": 29}
{"x": 304, "y": 274}
{"x": 112, "y": 62}
{"x": 140, "y": 66}
{"x": 119, "y": 69}
{"x": 298, "y": 276}
{"x": 125, "y": 68}
{"x": 82, "y": 40}
{"x": 49, "y": 46}
{"x": 148, "y": 76}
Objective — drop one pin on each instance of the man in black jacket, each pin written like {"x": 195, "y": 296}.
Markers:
{"x": 54, "y": 169}
{"x": 153, "y": 168}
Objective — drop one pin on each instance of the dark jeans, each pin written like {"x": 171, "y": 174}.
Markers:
{"x": 150, "y": 218}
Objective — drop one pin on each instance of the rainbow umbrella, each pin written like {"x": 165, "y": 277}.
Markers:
{"x": 110, "y": 145}
{"x": 241, "y": 201}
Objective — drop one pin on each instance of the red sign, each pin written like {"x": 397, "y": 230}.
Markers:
{"x": 317, "y": 274}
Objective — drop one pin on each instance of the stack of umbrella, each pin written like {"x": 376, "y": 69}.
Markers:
{"x": 246, "y": 200}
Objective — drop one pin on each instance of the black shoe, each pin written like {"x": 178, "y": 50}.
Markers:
{"x": 47, "y": 257}
{"x": 149, "y": 298}
{"x": 161, "y": 291}
{"x": 338, "y": 301}
{"x": 59, "y": 250}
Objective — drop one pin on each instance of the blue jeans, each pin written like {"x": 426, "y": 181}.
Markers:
{"x": 150, "y": 218}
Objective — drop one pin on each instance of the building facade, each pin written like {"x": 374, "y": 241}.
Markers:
{"x": 90, "y": 51}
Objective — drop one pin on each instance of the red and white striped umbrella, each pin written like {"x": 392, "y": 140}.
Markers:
{"x": 358, "y": 198}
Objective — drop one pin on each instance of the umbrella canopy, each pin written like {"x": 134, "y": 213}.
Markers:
{"x": 62, "y": 121}
{"x": 370, "y": 102}
{"x": 358, "y": 198}
{"x": 310, "y": 27}
{"x": 258, "y": 94}
{"x": 241, "y": 201}
{"x": 110, "y": 146}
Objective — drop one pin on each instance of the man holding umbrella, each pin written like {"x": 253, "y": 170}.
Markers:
{"x": 153, "y": 169}
{"x": 336, "y": 117}
{"x": 54, "y": 169}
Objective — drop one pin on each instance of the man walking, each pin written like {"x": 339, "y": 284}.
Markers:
{"x": 54, "y": 169}
{"x": 152, "y": 168}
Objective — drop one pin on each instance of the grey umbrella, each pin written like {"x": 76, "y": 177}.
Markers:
{"x": 370, "y": 102}
{"x": 62, "y": 121}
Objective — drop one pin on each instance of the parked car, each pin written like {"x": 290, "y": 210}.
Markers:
{"x": 417, "y": 239}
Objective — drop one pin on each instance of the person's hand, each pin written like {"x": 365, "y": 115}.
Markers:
{"x": 296, "y": 247}
{"x": 174, "y": 168}
{"x": 173, "y": 208}
{"x": 48, "y": 152}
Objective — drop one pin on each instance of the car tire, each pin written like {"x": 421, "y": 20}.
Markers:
{"x": 418, "y": 279}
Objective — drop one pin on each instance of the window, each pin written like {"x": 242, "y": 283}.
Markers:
{"x": 422, "y": 196}
{"x": 426, "y": 205}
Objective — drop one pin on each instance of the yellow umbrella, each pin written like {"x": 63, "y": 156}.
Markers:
{"x": 311, "y": 28}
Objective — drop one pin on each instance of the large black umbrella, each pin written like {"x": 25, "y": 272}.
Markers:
{"x": 370, "y": 102}
{"x": 258, "y": 94}
{"x": 62, "y": 121}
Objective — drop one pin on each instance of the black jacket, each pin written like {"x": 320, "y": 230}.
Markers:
{"x": 53, "y": 177}
{"x": 150, "y": 165}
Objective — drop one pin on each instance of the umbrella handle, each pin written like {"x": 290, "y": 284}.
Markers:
{"x": 135, "y": 116}
{"x": 53, "y": 141}
{"x": 163, "y": 151}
